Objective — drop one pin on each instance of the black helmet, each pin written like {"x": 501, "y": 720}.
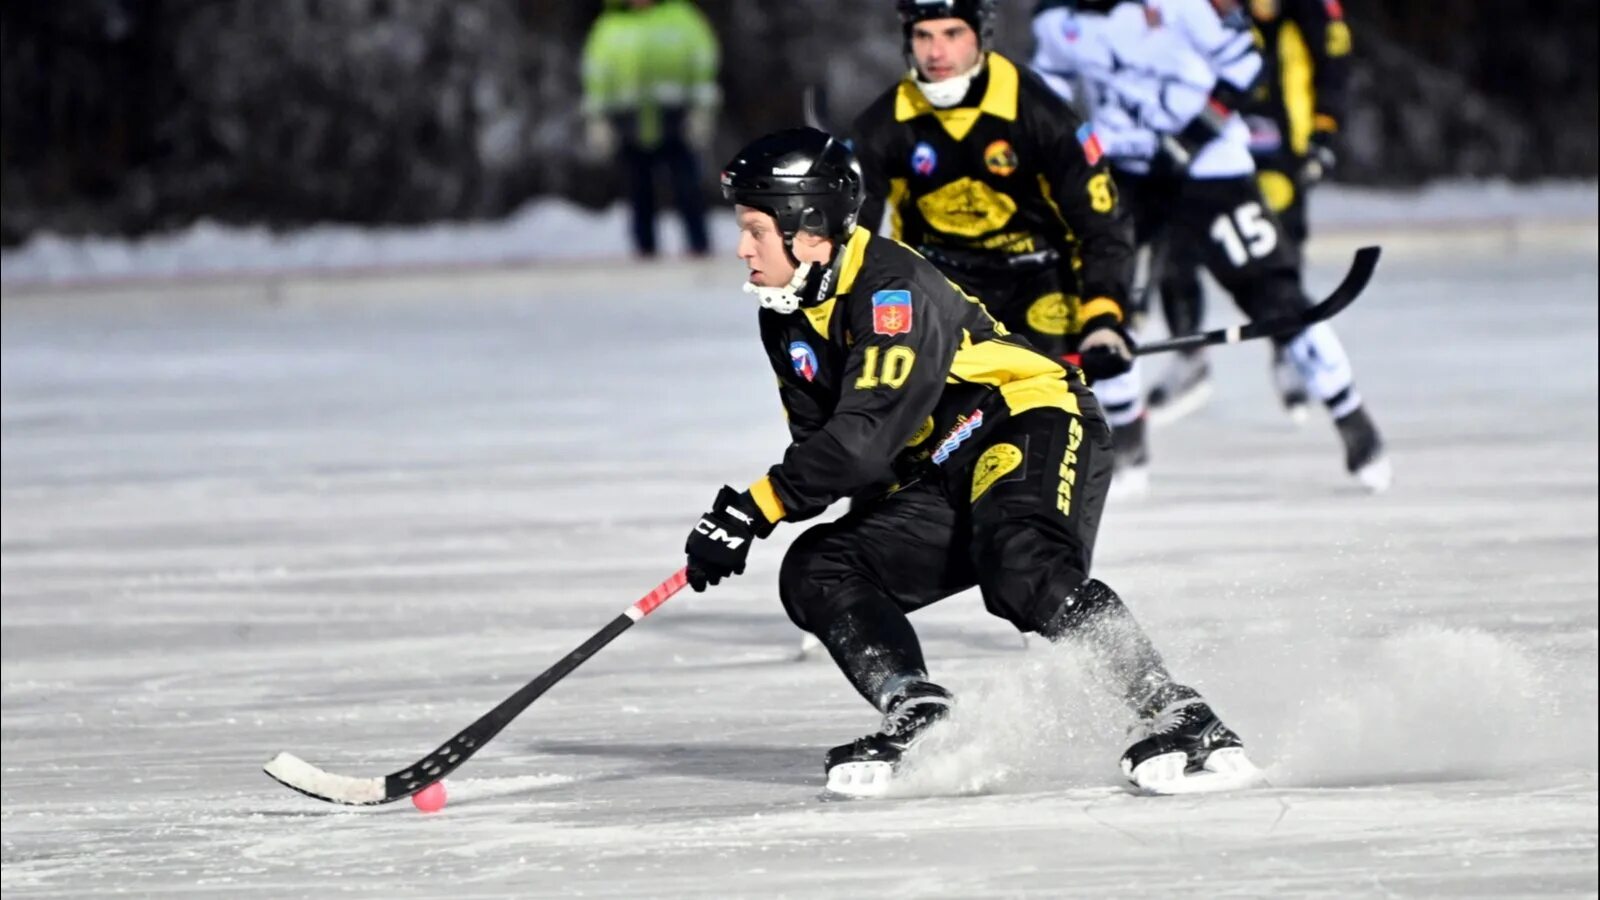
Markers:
{"x": 977, "y": 13}
{"x": 805, "y": 178}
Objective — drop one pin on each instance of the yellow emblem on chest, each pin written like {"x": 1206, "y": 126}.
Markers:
{"x": 966, "y": 208}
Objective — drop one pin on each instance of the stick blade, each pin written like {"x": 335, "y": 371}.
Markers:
{"x": 1355, "y": 281}
{"x": 296, "y": 774}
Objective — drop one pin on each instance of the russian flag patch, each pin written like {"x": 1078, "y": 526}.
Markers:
{"x": 1092, "y": 151}
{"x": 891, "y": 312}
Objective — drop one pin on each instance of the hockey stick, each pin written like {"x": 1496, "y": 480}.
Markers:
{"x": 814, "y": 107}
{"x": 293, "y": 772}
{"x": 1355, "y": 281}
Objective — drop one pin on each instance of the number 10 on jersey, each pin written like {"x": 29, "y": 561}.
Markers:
{"x": 890, "y": 368}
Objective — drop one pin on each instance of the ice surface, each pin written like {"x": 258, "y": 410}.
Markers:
{"x": 345, "y": 528}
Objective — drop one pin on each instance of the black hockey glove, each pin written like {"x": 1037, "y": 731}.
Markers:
{"x": 720, "y": 542}
{"x": 1105, "y": 352}
{"x": 1321, "y": 158}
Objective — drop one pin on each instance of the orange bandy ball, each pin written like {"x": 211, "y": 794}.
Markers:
{"x": 431, "y": 798}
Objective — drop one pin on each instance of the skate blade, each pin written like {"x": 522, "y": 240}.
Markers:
{"x": 1299, "y": 414}
{"x": 1189, "y": 401}
{"x": 1227, "y": 769}
{"x": 860, "y": 779}
{"x": 1376, "y": 476}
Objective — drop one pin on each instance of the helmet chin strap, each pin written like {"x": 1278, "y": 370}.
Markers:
{"x": 784, "y": 299}
{"x": 947, "y": 93}
{"x": 809, "y": 279}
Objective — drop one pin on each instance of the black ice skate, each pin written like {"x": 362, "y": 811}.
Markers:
{"x": 866, "y": 766}
{"x": 1291, "y": 387}
{"x": 1363, "y": 450}
{"x": 1184, "y": 386}
{"x": 1185, "y": 749}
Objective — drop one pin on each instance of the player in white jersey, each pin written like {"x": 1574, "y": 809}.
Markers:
{"x": 1160, "y": 80}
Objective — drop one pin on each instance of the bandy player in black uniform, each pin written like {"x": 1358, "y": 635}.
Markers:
{"x": 1158, "y": 77}
{"x": 997, "y": 182}
{"x": 998, "y": 455}
{"x": 1294, "y": 111}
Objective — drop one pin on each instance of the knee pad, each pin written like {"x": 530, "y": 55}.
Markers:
{"x": 1027, "y": 568}
{"x": 1084, "y": 605}
{"x": 817, "y": 583}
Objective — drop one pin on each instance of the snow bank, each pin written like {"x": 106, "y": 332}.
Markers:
{"x": 548, "y": 231}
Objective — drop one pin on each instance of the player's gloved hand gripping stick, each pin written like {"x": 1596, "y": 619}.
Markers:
{"x": 306, "y": 778}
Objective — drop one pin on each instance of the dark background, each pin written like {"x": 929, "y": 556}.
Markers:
{"x": 130, "y": 116}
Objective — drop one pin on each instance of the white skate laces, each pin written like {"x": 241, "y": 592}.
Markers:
{"x": 785, "y": 299}
{"x": 1169, "y": 718}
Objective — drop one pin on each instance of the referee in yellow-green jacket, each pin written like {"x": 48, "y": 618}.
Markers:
{"x": 650, "y": 91}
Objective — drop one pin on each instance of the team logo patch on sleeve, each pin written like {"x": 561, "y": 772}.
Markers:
{"x": 1092, "y": 151}
{"x": 891, "y": 312}
{"x": 804, "y": 359}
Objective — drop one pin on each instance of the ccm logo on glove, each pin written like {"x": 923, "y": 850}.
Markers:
{"x": 721, "y": 540}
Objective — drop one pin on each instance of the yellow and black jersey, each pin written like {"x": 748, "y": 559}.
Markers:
{"x": 1008, "y": 173}
{"x": 890, "y": 370}
{"x": 1305, "y": 51}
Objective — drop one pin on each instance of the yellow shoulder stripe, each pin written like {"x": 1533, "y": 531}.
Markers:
{"x": 1026, "y": 378}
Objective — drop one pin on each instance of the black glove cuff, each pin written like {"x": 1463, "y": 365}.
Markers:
{"x": 742, "y": 507}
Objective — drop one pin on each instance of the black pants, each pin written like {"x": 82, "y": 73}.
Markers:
{"x": 1229, "y": 227}
{"x": 1039, "y": 303}
{"x": 1019, "y": 522}
{"x": 1279, "y": 177}
{"x": 674, "y": 155}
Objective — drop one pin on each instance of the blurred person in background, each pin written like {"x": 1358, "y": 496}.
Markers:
{"x": 1293, "y": 112}
{"x": 997, "y": 182}
{"x": 1164, "y": 80}
{"x": 650, "y": 90}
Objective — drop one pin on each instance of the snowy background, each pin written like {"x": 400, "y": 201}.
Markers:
{"x": 344, "y": 516}
{"x": 551, "y": 230}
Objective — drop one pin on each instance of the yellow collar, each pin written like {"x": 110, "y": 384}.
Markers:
{"x": 855, "y": 253}
{"x": 999, "y": 100}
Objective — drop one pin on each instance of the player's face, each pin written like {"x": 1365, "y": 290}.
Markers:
{"x": 944, "y": 48}
{"x": 761, "y": 248}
